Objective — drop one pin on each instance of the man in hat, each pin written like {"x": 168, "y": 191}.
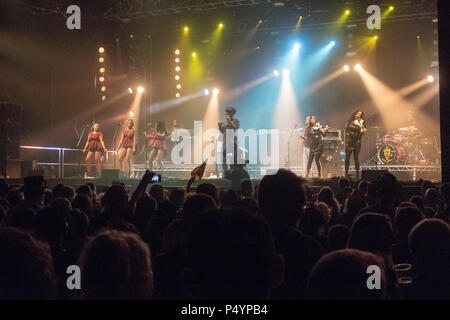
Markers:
{"x": 33, "y": 190}
{"x": 230, "y": 146}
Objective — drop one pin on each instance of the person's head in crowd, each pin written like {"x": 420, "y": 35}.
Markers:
{"x": 115, "y": 200}
{"x": 14, "y": 197}
{"x": 313, "y": 221}
{"x": 343, "y": 183}
{"x": 249, "y": 204}
{"x": 209, "y": 189}
{"x": 418, "y": 202}
{"x": 26, "y": 267}
{"x": 145, "y": 210}
{"x": 83, "y": 203}
{"x": 158, "y": 193}
{"x": 52, "y": 224}
{"x": 57, "y": 190}
{"x": 194, "y": 206}
{"x": 433, "y": 199}
{"x": 362, "y": 186}
{"x": 425, "y": 185}
{"x": 85, "y": 190}
{"x": 429, "y": 243}
{"x": 177, "y": 197}
{"x": 48, "y": 197}
{"x": 229, "y": 199}
{"x": 22, "y": 218}
{"x": 92, "y": 186}
{"x": 78, "y": 225}
{"x": 281, "y": 198}
{"x": 429, "y": 212}
{"x": 67, "y": 192}
{"x": 63, "y": 204}
{"x": 325, "y": 210}
{"x": 444, "y": 190}
{"x": 355, "y": 203}
{"x": 337, "y": 237}
{"x": 405, "y": 219}
{"x": 406, "y": 204}
{"x": 342, "y": 275}
{"x": 33, "y": 190}
{"x": 232, "y": 256}
{"x": 372, "y": 232}
{"x": 326, "y": 195}
{"x": 346, "y": 193}
{"x": 116, "y": 266}
{"x": 247, "y": 188}
{"x": 388, "y": 187}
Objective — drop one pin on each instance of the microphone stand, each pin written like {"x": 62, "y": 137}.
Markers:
{"x": 114, "y": 144}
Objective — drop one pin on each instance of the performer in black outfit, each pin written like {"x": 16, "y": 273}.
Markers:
{"x": 313, "y": 133}
{"x": 229, "y": 146}
{"x": 354, "y": 130}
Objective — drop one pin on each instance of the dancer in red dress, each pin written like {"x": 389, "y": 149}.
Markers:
{"x": 95, "y": 146}
{"x": 159, "y": 145}
{"x": 127, "y": 146}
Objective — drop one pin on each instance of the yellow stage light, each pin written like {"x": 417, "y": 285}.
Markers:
{"x": 101, "y": 50}
{"x": 177, "y": 52}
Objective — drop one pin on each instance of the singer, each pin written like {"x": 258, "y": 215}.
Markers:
{"x": 159, "y": 145}
{"x": 229, "y": 146}
{"x": 95, "y": 146}
{"x": 355, "y": 128}
{"x": 127, "y": 146}
{"x": 314, "y": 132}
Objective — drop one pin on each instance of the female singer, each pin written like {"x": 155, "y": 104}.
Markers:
{"x": 354, "y": 130}
{"x": 313, "y": 133}
{"x": 95, "y": 146}
{"x": 127, "y": 146}
{"x": 159, "y": 146}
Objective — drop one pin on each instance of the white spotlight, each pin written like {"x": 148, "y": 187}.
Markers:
{"x": 215, "y": 91}
{"x": 346, "y": 68}
{"x": 297, "y": 46}
{"x": 430, "y": 79}
{"x": 130, "y": 90}
{"x": 140, "y": 89}
{"x": 206, "y": 91}
{"x": 358, "y": 67}
{"x": 276, "y": 73}
{"x": 286, "y": 72}
{"x": 131, "y": 114}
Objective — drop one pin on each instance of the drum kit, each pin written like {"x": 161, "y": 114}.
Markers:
{"x": 406, "y": 146}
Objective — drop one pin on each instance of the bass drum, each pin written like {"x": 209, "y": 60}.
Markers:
{"x": 391, "y": 154}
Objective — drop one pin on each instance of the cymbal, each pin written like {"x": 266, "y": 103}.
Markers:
{"x": 408, "y": 129}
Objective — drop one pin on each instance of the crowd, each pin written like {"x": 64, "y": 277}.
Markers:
{"x": 276, "y": 240}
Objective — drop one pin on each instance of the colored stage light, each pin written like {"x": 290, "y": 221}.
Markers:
{"x": 418, "y": 37}
{"x": 260, "y": 21}
{"x": 102, "y": 70}
{"x": 286, "y": 72}
{"x": 297, "y": 46}
{"x": 186, "y": 29}
{"x": 358, "y": 67}
{"x": 103, "y": 88}
{"x": 220, "y": 25}
{"x": 332, "y": 43}
{"x": 140, "y": 89}
{"x": 430, "y": 79}
{"x": 177, "y": 52}
{"x": 347, "y": 12}
{"x": 178, "y": 86}
{"x": 375, "y": 37}
{"x": 206, "y": 92}
{"x": 177, "y": 69}
{"x": 194, "y": 54}
{"x": 177, "y": 95}
{"x": 130, "y": 90}
{"x": 276, "y": 73}
{"x": 391, "y": 8}
{"x": 177, "y": 60}
{"x": 177, "y": 77}
{"x": 346, "y": 68}
{"x": 101, "y": 60}
{"x": 101, "y": 50}
{"x": 215, "y": 91}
